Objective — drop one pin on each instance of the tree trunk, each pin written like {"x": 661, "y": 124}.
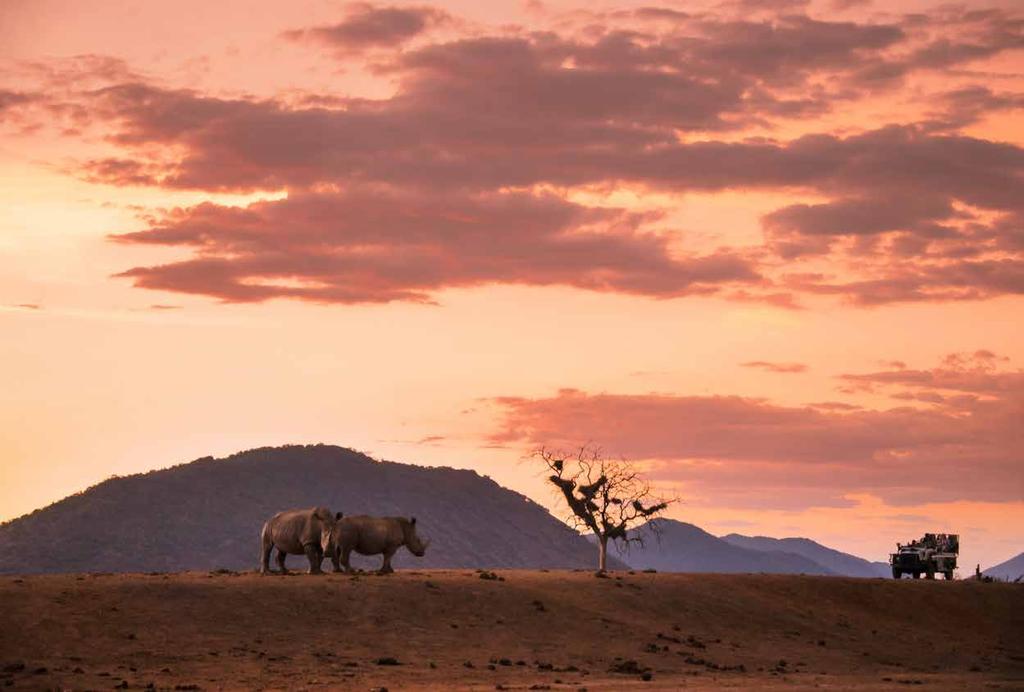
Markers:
{"x": 602, "y": 556}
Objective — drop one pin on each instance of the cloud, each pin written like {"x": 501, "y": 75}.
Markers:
{"x": 770, "y": 5}
{"x": 10, "y": 99}
{"x": 979, "y": 34}
{"x": 972, "y": 373}
{"x": 835, "y": 406}
{"x": 379, "y": 245}
{"x": 966, "y": 448}
{"x": 951, "y": 36}
{"x": 789, "y": 47}
{"x": 924, "y": 281}
{"x": 372, "y": 26}
{"x": 776, "y": 367}
{"x": 899, "y": 183}
{"x": 848, "y": 4}
{"x": 859, "y": 216}
{"x": 656, "y": 100}
{"x": 571, "y": 130}
{"x": 967, "y": 105}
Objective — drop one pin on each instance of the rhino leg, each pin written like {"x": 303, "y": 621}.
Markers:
{"x": 345, "y": 553}
{"x": 281, "y": 555}
{"x": 315, "y": 557}
{"x": 386, "y": 568}
{"x": 266, "y": 547}
{"x": 265, "y": 558}
{"x": 334, "y": 561}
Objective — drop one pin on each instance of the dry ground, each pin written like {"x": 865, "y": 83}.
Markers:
{"x": 531, "y": 630}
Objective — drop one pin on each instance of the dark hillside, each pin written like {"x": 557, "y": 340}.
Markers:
{"x": 684, "y": 547}
{"x": 207, "y": 514}
{"x": 1011, "y": 570}
{"x": 833, "y": 560}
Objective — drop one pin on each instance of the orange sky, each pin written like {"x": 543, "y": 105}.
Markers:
{"x": 743, "y": 246}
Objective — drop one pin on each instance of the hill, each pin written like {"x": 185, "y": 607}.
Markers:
{"x": 539, "y": 630}
{"x": 684, "y": 547}
{"x": 1010, "y": 570}
{"x": 207, "y": 514}
{"x": 833, "y": 560}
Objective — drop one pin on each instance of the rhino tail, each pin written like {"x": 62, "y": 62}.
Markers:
{"x": 266, "y": 546}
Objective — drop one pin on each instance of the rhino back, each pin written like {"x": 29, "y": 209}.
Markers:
{"x": 293, "y": 528}
{"x": 372, "y": 535}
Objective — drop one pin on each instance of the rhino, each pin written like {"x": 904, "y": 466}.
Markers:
{"x": 299, "y": 532}
{"x": 375, "y": 536}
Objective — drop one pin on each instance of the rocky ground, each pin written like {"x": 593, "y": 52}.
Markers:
{"x": 506, "y": 630}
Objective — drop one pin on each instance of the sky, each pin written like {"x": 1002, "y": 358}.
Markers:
{"x": 773, "y": 252}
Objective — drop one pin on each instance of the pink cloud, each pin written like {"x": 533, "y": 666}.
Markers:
{"x": 378, "y": 245}
{"x": 909, "y": 212}
{"x": 967, "y": 105}
{"x": 972, "y": 373}
{"x": 372, "y": 26}
{"x": 11, "y": 99}
{"x": 776, "y": 367}
{"x": 967, "y": 448}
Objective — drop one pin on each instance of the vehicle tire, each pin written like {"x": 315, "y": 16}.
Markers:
{"x": 949, "y": 575}
{"x": 897, "y": 573}
{"x": 930, "y": 575}
{"x": 917, "y": 575}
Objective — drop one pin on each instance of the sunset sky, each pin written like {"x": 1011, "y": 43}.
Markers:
{"x": 772, "y": 251}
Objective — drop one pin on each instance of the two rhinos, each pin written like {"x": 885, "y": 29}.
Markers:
{"x": 318, "y": 533}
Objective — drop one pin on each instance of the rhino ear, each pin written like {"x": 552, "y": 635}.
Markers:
{"x": 338, "y": 515}
{"x": 412, "y": 521}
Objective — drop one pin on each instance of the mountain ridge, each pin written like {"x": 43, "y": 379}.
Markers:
{"x": 834, "y": 560}
{"x": 206, "y": 514}
{"x": 692, "y": 549}
{"x": 1011, "y": 569}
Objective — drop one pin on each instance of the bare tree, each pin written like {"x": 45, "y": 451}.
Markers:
{"x": 606, "y": 496}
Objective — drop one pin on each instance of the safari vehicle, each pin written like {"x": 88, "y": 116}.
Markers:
{"x": 935, "y": 553}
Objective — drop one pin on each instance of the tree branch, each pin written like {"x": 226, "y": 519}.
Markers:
{"x": 609, "y": 505}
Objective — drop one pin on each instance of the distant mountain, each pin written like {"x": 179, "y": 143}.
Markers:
{"x": 832, "y": 560}
{"x": 687, "y": 548}
{"x": 207, "y": 514}
{"x": 1010, "y": 570}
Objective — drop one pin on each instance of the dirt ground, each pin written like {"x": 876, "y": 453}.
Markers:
{"x": 506, "y": 630}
